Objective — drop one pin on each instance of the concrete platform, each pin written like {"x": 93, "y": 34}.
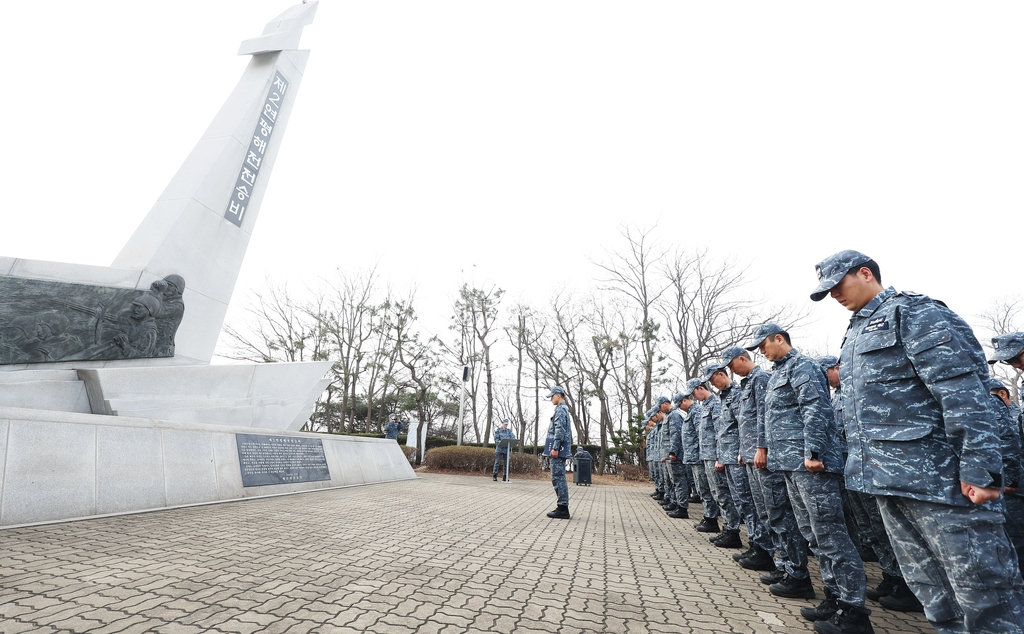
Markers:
{"x": 440, "y": 554}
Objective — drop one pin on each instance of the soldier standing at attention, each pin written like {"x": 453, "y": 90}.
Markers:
{"x": 393, "y": 427}
{"x": 710, "y": 411}
{"x": 661, "y": 428}
{"x": 803, "y": 443}
{"x": 861, "y": 508}
{"x": 676, "y": 468}
{"x": 650, "y": 443}
{"x": 756, "y": 557}
{"x": 691, "y": 456}
{"x": 560, "y": 442}
{"x": 926, "y": 444}
{"x": 501, "y": 454}
{"x": 768, "y": 487}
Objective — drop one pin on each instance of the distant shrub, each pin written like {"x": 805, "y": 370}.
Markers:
{"x": 632, "y": 473}
{"x": 410, "y": 453}
{"x": 476, "y": 460}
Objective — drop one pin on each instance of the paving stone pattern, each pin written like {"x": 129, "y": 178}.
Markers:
{"x": 447, "y": 554}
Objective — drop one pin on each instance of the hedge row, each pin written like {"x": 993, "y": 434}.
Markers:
{"x": 476, "y": 459}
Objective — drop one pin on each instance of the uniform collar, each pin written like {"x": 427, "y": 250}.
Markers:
{"x": 875, "y": 302}
{"x": 789, "y": 355}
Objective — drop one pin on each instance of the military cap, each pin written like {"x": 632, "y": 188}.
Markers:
{"x": 1007, "y": 346}
{"x": 708, "y": 370}
{"x": 691, "y": 385}
{"x": 834, "y": 268}
{"x": 828, "y": 362}
{"x": 763, "y": 332}
{"x": 729, "y": 354}
{"x": 651, "y": 412}
{"x": 662, "y": 400}
{"x": 504, "y": 421}
{"x": 677, "y": 399}
{"x": 995, "y": 384}
{"x": 392, "y": 416}
{"x": 555, "y": 390}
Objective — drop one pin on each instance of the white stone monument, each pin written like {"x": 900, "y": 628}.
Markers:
{"x": 91, "y": 437}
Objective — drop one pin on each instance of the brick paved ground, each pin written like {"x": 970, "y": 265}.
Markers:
{"x": 446, "y": 554}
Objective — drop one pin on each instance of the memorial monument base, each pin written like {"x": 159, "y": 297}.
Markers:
{"x": 59, "y": 466}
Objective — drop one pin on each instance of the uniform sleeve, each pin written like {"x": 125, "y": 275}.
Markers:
{"x": 676, "y": 435}
{"x": 815, "y": 410}
{"x": 760, "y": 388}
{"x": 562, "y": 433}
{"x": 942, "y": 360}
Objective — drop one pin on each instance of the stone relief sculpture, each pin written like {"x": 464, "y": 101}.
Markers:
{"x": 44, "y": 322}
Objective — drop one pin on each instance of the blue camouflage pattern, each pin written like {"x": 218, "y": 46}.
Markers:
{"x": 501, "y": 434}
{"x": 700, "y": 481}
{"x": 690, "y": 436}
{"x": 720, "y": 490}
{"x": 392, "y": 428}
{"x": 864, "y": 510}
{"x": 919, "y": 419}
{"x": 1007, "y": 346}
{"x": 751, "y": 413}
{"x": 817, "y": 504}
{"x": 727, "y": 434}
{"x": 560, "y": 429}
{"x": 800, "y": 423}
{"x": 707, "y": 430}
{"x": 958, "y": 563}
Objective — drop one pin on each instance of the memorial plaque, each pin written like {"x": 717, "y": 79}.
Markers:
{"x": 280, "y": 459}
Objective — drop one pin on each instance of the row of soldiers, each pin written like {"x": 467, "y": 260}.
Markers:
{"x": 902, "y": 451}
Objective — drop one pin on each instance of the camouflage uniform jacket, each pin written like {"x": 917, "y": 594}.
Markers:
{"x": 837, "y": 407}
{"x": 1009, "y": 435}
{"x": 559, "y": 428}
{"x": 392, "y": 429}
{"x": 799, "y": 420}
{"x": 652, "y": 443}
{"x": 916, "y": 400}
{"x": 675, "y": 434}
{"x": 665, "y": 438}
{"x": 707, "y": 427}
{"x": 751, "y": 413}
{"x": 500, "y": 435}
{"x": 691, "y": 436}
{"x": 728, "y": 434}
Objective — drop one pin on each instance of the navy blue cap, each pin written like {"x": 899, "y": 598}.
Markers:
{"x": 555, "y": 390}
{"x": 1007, "y": 346}
{"x": 677, "y": 399}
{"x": 729, "y": 354}
{"x": 995, "y": 384}
{"x": 834, "y": 268}
{"x": 708, "y": 370}
{"x": 828, "y": 362}
{"x": 662, "y": 400}
{"x": 763, "y": 332}
{"x": 692, "y": 385}
{"x": 504, "y": 421}
{"x": 392, "y": 416}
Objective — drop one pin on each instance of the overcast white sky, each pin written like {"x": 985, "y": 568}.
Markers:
{"x": 512, "y": 139}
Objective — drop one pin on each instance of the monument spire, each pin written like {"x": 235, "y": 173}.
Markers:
{"x": 200, "y": 226}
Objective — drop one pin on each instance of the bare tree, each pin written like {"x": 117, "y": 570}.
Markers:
{"x": 633, "y": 272}
{"x": 1004, "y": 315}
{"x": 707, "y": 309}
{"x": 521, "y": 337}
{"x": 477, "y": 308}
{"x": 279, "y": 328}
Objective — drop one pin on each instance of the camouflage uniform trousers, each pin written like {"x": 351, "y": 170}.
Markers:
{"x": 700, "y": 478}
{"x": 499, "y": 464}
{"x": 1015, "y": 522}
{"x": 777, "y": 513}
{"x": 860, "y": 542}
{"x": 720, "y": 489}
{"x": 689, "y": 487}
{"x": 558, "y": 481}
{"x": 959, "y": 563}
{"x": 865, "y": 513}
{"x": 650, "y": 472}
{"x": 666, "y": 478}
{"x": 742, "y": 499}
{"x": 676, "y": 471}
{"x": 818, "y": 506}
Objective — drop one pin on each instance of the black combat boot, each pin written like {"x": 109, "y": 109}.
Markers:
{"x": 680, "y": 514}
{"x": 671, "y": 507}
{"x": 824, "y": 610}
{"x": 901, "y": 599}
{"x": 655, "y": 494}
{"x": 848, "y": 619}
{"x": 760, "y": 560}
{"x": 793, "y": 588}
{"x": 774, "y": 576}
{"x": 707, "y": 525}
{"x": 695, "y": 499}
{"x": 658, "y": 495}
{"x": 746, "y": 553}
{"x": 884, "y": 589}
{"x": 729, "y": 539}
{"x": 495, "y": 477}
{"x": 561, "y": 512}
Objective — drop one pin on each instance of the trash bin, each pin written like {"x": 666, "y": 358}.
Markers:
{"x": 583, "y": 462}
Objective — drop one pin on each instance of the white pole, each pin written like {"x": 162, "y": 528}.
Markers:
{"x": 462, "y": 403}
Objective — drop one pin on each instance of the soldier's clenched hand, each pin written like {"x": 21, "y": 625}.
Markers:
{"x": 979, "y": 495}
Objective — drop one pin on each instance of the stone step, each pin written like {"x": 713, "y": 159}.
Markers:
{"x": 60, "y": 396}
{"x": 25, "y": 376}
